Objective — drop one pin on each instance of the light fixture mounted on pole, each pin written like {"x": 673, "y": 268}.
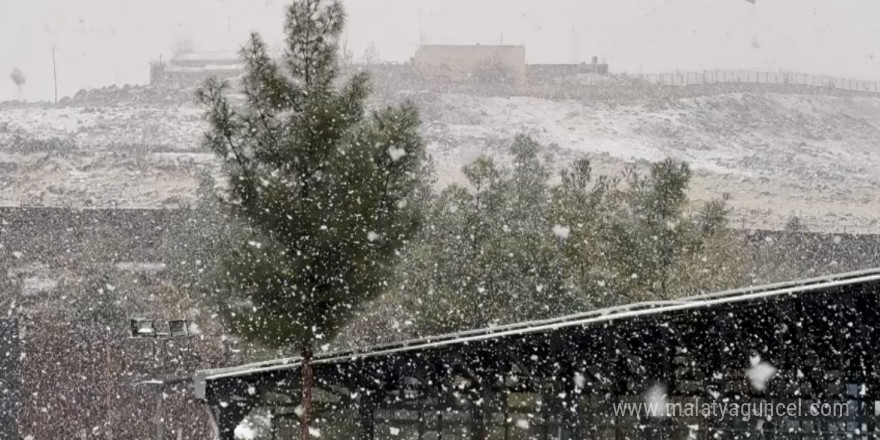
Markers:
{"x": 147, "y": 328}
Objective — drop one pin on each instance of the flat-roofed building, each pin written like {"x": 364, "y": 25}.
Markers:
{"x": 195, "y": 67}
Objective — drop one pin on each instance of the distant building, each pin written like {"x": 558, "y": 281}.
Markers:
{"x": 471, "y": 63}
{"x": 557, "y": 73}
{"x": 194, "y": 67}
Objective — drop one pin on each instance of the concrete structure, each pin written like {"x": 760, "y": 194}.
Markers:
{"x": 193, "y": 68}
{"x": 471, "y": 63}
{"x": 556, "y": 73}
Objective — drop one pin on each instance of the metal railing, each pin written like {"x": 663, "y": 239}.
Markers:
{"x": 752, "y": 77}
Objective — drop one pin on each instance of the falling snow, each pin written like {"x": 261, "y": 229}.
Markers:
{"x": 760, "y": 373}
{"x": 165, "y": 253}
{"x": 561, "y": 231}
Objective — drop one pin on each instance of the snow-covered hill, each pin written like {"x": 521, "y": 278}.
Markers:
{"x": 777, "y": 155}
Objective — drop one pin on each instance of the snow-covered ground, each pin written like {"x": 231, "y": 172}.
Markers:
{"x": 138, "y": 156}
{"x": 777, "y": 155}
{"x": 175, "y": 127}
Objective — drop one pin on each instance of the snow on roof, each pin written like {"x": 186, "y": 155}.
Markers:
{"x": 203, "y": 57}
{"x": 458, "y": 46}
{"x": 133, "y": 266}
{"x": 208, "y": 67}
{"x": 628, "y": 311}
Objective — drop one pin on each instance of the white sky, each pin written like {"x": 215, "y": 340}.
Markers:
{"x": 101, "y": 42}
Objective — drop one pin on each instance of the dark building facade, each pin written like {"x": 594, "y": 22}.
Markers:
{"x": 72, "y": 278}
{"x": 810, "y": 343}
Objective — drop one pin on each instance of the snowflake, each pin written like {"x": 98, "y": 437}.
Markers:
{"x": 396, "y": 153}
{"x": 244, "y": 432}
{"x": 760, "y": 373}
{"x": 561, "y": 231}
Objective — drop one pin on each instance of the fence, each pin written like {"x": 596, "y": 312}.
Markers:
{"x": 770, "y": 221}
{"x": 626, "y": 88}
{"x": 749, "y": 77}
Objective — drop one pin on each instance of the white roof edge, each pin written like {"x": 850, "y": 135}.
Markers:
{"x": 597, "y": 316}
{"x": 211, "y": 373}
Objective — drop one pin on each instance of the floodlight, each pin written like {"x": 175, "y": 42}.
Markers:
{"x": 143, "y": 328}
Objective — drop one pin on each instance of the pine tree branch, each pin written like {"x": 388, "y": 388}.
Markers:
{"x": 211, "y": 95}
{"x": 238, "y": 156}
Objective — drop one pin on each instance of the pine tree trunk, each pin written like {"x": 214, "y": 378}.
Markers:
{"x": 306, "y": 376}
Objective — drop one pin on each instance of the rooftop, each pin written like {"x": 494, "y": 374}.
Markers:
{"x": 591, "y": 318}
{"x": 471, "y": 46}
{"x": 207, "y": 57}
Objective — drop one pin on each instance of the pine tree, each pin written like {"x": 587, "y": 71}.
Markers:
{"x": 322, "y": 187}
{"x": 513, "y": 237}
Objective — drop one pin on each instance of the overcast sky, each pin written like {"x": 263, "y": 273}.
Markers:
{"x": 102, "y": 42}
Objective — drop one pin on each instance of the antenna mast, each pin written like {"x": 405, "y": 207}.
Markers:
{"x": 55, "y": 75}
{"x": 421, "y": 31}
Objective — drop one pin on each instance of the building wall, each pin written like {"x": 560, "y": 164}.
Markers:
{"x": 189, "y": 77}
{"x": 188, "y": 70}
{"x": 207, "y": 59}
{"x": 556, "y": 73}
{"x": 469, "y": 63}
{"x": 9, "y": 379}
{"x": 567, "y": 69}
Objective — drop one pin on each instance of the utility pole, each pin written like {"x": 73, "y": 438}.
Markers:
{"x": 55, "y": 74}
{"x": 160, "y": 402}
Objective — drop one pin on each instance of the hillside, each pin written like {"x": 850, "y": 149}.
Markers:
{"x": 777, "y": 155}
